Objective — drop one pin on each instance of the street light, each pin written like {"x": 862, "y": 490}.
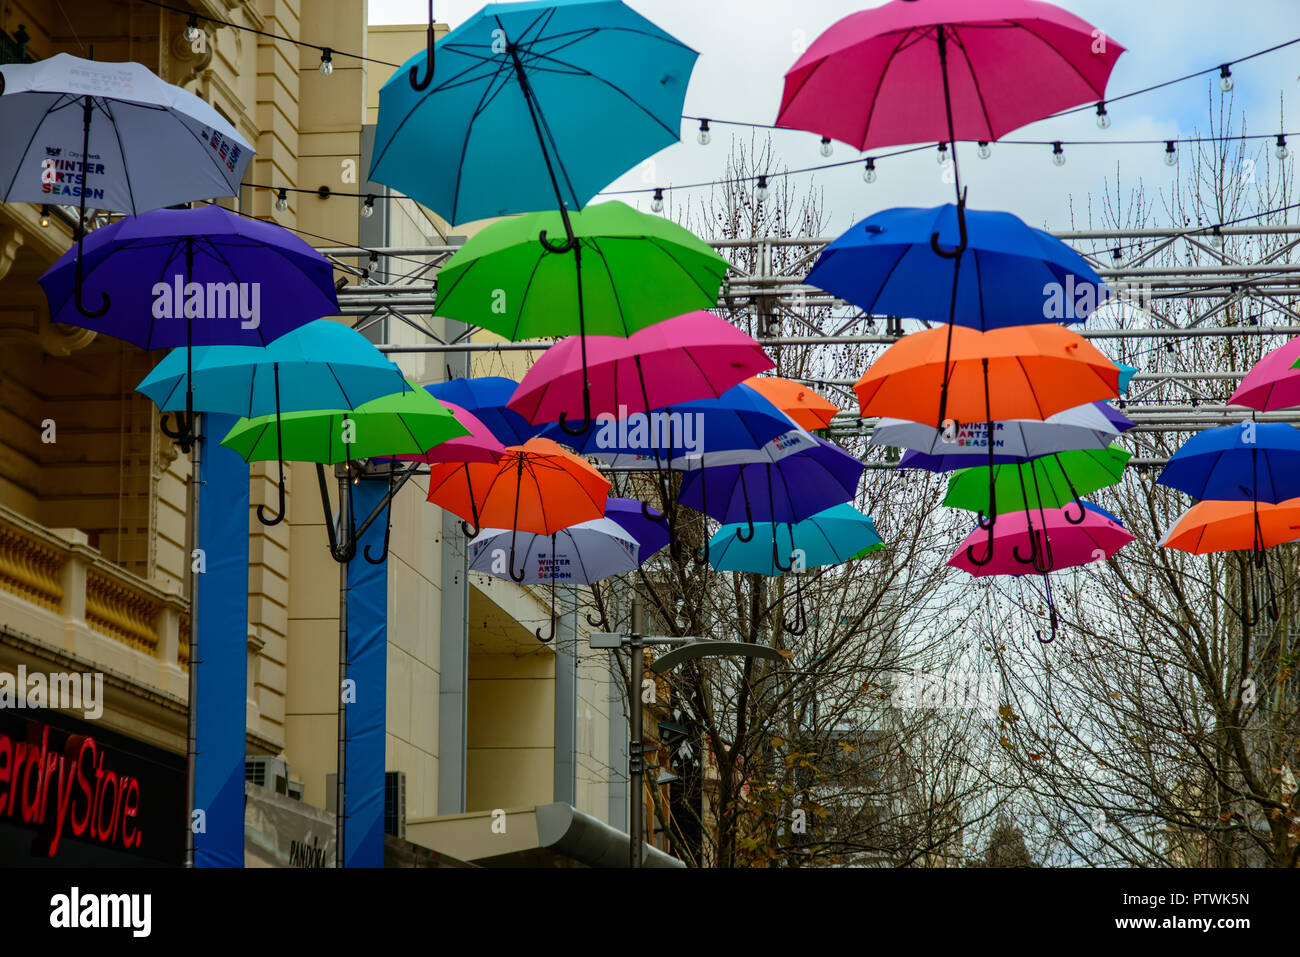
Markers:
{"x": 690, "y": 648}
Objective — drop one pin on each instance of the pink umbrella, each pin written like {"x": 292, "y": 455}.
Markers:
{"x": 1097, "y": 537}
{"x": 693, "y": 356}
{"x": 479, "y": 446}
{"x": 1271, "y": 383}
{"x": 943, "y": 70}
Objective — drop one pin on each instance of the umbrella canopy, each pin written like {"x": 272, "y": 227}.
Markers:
{"x": 641, "y": 269}
{"x": 322, "y": 364}
{"x": 1011, "y": 274}
{"x": 578, "y": 555}
{"x": 1086, "y": 426}
{"x": 1213, "y": 526}
{"x": 487, "y": 398}
{"x": 791, "y": 490}
{"x": 675, "y": 436}
{"x": 536, "y": 487}
{"x": 1250, "y": 462}
{"x": 1068, "y": 544}
{"x": 1008, "y": 63}
{"x": 651, "y": 533}
{"x": 1273, "y": 382}
{"x": 479, "y": 446}
{"x": 410, "y": 421}
{"x": 200, "y": 277}
{"x": 694, "y": 356}
{"x": 1047, "y": 482}
{"x": 829, "y": 537}
{"x": 152, "y": 143}
{"x": 1018, "y": 372}
{"x": 530, "y": 106}
{"x": 804, "y": 406}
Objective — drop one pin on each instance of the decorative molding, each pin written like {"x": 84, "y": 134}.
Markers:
{"x": 31, "y": 569}
{"x": 11, "y": 240}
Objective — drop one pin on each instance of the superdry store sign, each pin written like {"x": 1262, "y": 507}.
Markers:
{"x": 73, "y": 794}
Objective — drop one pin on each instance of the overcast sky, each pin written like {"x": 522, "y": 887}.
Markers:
{"x": 747, "y": 45}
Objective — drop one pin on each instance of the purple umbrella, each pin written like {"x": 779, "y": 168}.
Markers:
{"x": 194, "y": 277}
{"x": 791, "y": 490}
{"x": 649, "y": 532}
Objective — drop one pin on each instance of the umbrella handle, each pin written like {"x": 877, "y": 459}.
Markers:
{"x": 645, "y": 510}
{"x": 1083, "y": 513}
{"x": 279, "y": 515}
{"x": 986, "y": 521}
{"x": 800, "y": 623}
{"x": 549, "y": 635}
{"x": 1032, "y": 558}
{"x": 519, "y": 579}
{"x": 570, "y": 242}
{"x": 538, "y": 631}
{"x": 701, "y": 557}
{"x": 749, "y": 517}
{"x": 776, "y": 556}
{"x": 1044, "y": 561}
{"x": 988, "y": 552}
{"x": 470, "y": 531}
{"x": 414, "y": 76}
{"x": 388, "y": 525}
{"x": 585, "y": 427}
{"x": 963, "y": 242}
{"x": 602, "y": 622}
{"x": 81, "y": 305}
{"x": 183, "y": 433}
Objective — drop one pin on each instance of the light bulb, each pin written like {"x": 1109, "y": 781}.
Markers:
{"x": 1058, "y": 154}
{"x": 657, "y": 204}
{"x": 368, "y": 208}
{"x": 45, "y": 215}
{"x": 984, "y": 152}
{"x": 761, "y": 192}
{"x": 282, "y": 199}
{"x": 943, "y": 154}
{"x": 192, "y": 29}
{"x": 1281, "y": 151}
{"x": 705, "y": 137}
{"x": 326, "y": 62}
{"x": 1171, "y": 154}
{"x": 1225, "y": 78}
{"x": 1103, "y": 118}
{"x": 869, "y": 174}
{"x": 826, "y": 148}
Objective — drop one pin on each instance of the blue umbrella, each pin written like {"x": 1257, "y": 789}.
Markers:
{"x": 193, "y": 277}
{"x": 1248, "y": 462}
{"x": 648, "y": 531}
{"x": 530, "y": 106}
{"x": 1010, "y": 273}
{"x": 322, "y": 365}
{"x": 791, "y": 490}
{"x": 486, "y": 397}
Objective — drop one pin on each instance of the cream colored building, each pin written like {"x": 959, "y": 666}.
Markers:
{"x": 481, "y": 716}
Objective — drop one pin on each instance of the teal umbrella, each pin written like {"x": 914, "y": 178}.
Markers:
{"x": 320, "y": 365}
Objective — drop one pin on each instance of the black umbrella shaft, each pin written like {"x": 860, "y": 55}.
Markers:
{"x": 947, "y": 102}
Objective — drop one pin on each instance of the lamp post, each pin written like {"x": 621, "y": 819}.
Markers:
{"x": 688, "y": 648}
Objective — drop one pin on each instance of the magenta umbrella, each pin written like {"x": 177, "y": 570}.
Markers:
{"x": 1271, "y": 383}
{"x": 694, "y": 356}
{"x": 944, "y": 70}
{"x": 479, "y": 446}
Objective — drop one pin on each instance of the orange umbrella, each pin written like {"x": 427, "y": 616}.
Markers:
{"x": 536, "y": 487}
{"x": 808, "y": 409}
{"x": 1016, "y": 372}
{"x": 1212, "y": 526}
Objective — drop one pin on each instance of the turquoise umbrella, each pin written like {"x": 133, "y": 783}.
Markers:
{"x": 320, "y": 365}
{"x": 830, "y": 537}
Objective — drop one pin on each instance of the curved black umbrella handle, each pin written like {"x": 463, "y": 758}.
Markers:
{"x": 603, "y": 621}
{"x": 963, "y": 242}
{"x": 986, "y": 521}
{"x": 182, "y": 433}
{"x": 776, "y": 555}
{"x": 279, "y": 515}
{"x": 81, "y": 305}
{"x": 1083, "y": 513}
{"x": 585, "y": 426}
{"x": 800, "y": 623}
{"x": 471, "y": 531}
{"x": 569, "y": 243}
{"x": 279, "y": 449}
{"x": 537, "y": 631}
{"x": 388, "y": 525}
{"x": 519, "y": 579}
{"x": 1051, "y": 609}
{"x": 645, "y": 510}
{"x": 414, "y": 76}
{"x": 1032, "y": 557}
{"x": 550, "y": 634}
{"x": 1045, "y": 560}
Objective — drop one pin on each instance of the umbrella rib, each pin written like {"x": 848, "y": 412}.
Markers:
{"x": 121, "y": 151}
{"x": 488, "y": 95}
{"x": 523, "y": 299}
{"x": 613, "y": 286}
{"x": 656, "y": 242}
{"x": 880, "y": 81}
{"x": 1101, "y": 94}
{"x": 979, "y": 94}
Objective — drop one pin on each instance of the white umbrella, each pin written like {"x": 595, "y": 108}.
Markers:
{"x": 1082, "y": 427}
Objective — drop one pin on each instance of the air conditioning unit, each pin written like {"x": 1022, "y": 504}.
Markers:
{"x": 296, "y": 789}
{"x": 395, "y": 803}
{"x": 267, "y": 772}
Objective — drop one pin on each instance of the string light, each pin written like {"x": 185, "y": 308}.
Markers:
{"x": 1058, "y": 153}
{"x": 368, "y": 208}
{"x": 1281, "y": 151}
{"x": 869, "y": 174}
{"x": 1103, "y": 118}
{"x": 326, "y": 62}
{"x": 943, "y": 154}
{"x": 1225, "y": 78}
{"x": 761, "y": 193}
{"x": 984, "y": 151}
{"x": 192, "y": 28}
{"x": 45, "y": 215}
{"x": 657, "y": 204}
{"x": 282, "y": 199}
{"x": 1171, "y": 154}
{"x": 704, "y": 137}
{"x": 826, "y": 148}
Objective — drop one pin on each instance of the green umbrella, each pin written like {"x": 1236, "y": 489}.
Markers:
{"x": 637, "y": 270}
{"x": 1048, "y": 481}
{"x": 405, "y": 422}
{"x": 640, "y": 269}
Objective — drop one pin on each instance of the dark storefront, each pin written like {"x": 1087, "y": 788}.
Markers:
{"x": 73, "y": 794}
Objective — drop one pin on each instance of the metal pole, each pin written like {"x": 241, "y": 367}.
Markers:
{"x": 340, "y": 816}
{"x": 192, "y": 745}
{"x": 636, "y": 762}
